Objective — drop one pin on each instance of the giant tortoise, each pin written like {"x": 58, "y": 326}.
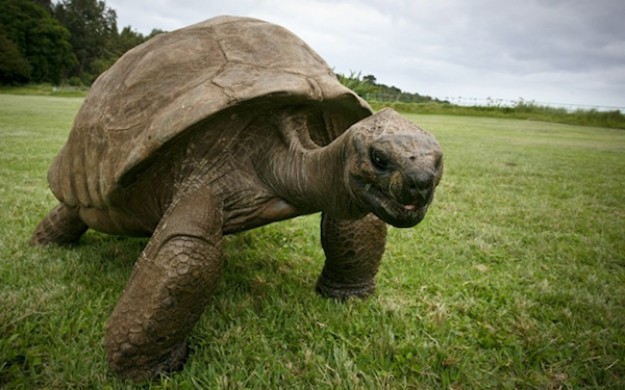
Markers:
{"x": 213, "y": 129}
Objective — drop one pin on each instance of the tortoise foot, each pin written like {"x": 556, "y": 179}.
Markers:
{"x": 353, "y": 250}
{"x": 139, "y": 368}
{"x": 341, "y": 291}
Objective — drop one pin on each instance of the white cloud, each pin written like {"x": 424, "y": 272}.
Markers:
{"x": 548, "y": 50}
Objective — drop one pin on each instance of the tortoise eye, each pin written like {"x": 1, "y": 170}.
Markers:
{"x": 379, "y": 160}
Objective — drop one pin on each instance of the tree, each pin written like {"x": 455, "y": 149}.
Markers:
{"x": 72, "y": 39}
{"x": 14, "y": 68}
{"x": 369, "y": 89}
{"x": 47, "y": 4}
{"x": 52, "y": 57}
{"x": 93, "y": 28}
{"x": 40, "y": 40}
{"x": 155, "y": 32}
{"x": 369, "y": 79}
{"x": 126, "y": 40}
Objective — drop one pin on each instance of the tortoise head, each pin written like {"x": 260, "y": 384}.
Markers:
{"x": 393, "y": 167}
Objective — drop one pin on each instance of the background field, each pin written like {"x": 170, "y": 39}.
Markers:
{"x": 516, "y": 279}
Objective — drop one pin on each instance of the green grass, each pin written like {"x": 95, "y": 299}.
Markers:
{"x": 516, "y": 279}
{"x": 522, "y": 110}
{"x": 45, "y": 90}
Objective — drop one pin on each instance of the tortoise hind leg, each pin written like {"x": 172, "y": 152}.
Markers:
{"x": 61, "y": 226}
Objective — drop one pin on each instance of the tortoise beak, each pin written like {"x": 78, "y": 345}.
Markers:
{"x": 401, "y": 198}
{"x": 403, "y": 210}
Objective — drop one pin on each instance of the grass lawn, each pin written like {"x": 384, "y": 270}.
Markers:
{"x": 516, "y": 279}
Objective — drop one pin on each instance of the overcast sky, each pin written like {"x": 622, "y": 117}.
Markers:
{"x": 548, "y": 51}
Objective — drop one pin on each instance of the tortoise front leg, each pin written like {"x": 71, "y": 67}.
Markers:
{"x": 353, "y": 250}
{"x": 170, "y": 286}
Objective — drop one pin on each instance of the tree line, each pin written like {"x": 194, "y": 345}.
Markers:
{"x": 72, "y": 41}
{"x": 369, "y": 89}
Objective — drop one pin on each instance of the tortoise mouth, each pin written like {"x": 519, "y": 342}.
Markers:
{"x": 389, "y": 208}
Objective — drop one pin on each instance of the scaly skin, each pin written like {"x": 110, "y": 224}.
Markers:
{"x": 353, "y": 252}
{"x": 172, "y": 282}
{"x": 61, "y": 226}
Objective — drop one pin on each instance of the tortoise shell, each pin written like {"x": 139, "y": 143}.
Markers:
{"x": 164, "y": 87}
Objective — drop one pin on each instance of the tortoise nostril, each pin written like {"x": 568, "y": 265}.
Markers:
{"x": 420, "y": 180}
{"x": 419, "y": 186}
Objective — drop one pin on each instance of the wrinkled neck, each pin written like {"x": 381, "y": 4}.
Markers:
{"x": 314, "y": 179}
